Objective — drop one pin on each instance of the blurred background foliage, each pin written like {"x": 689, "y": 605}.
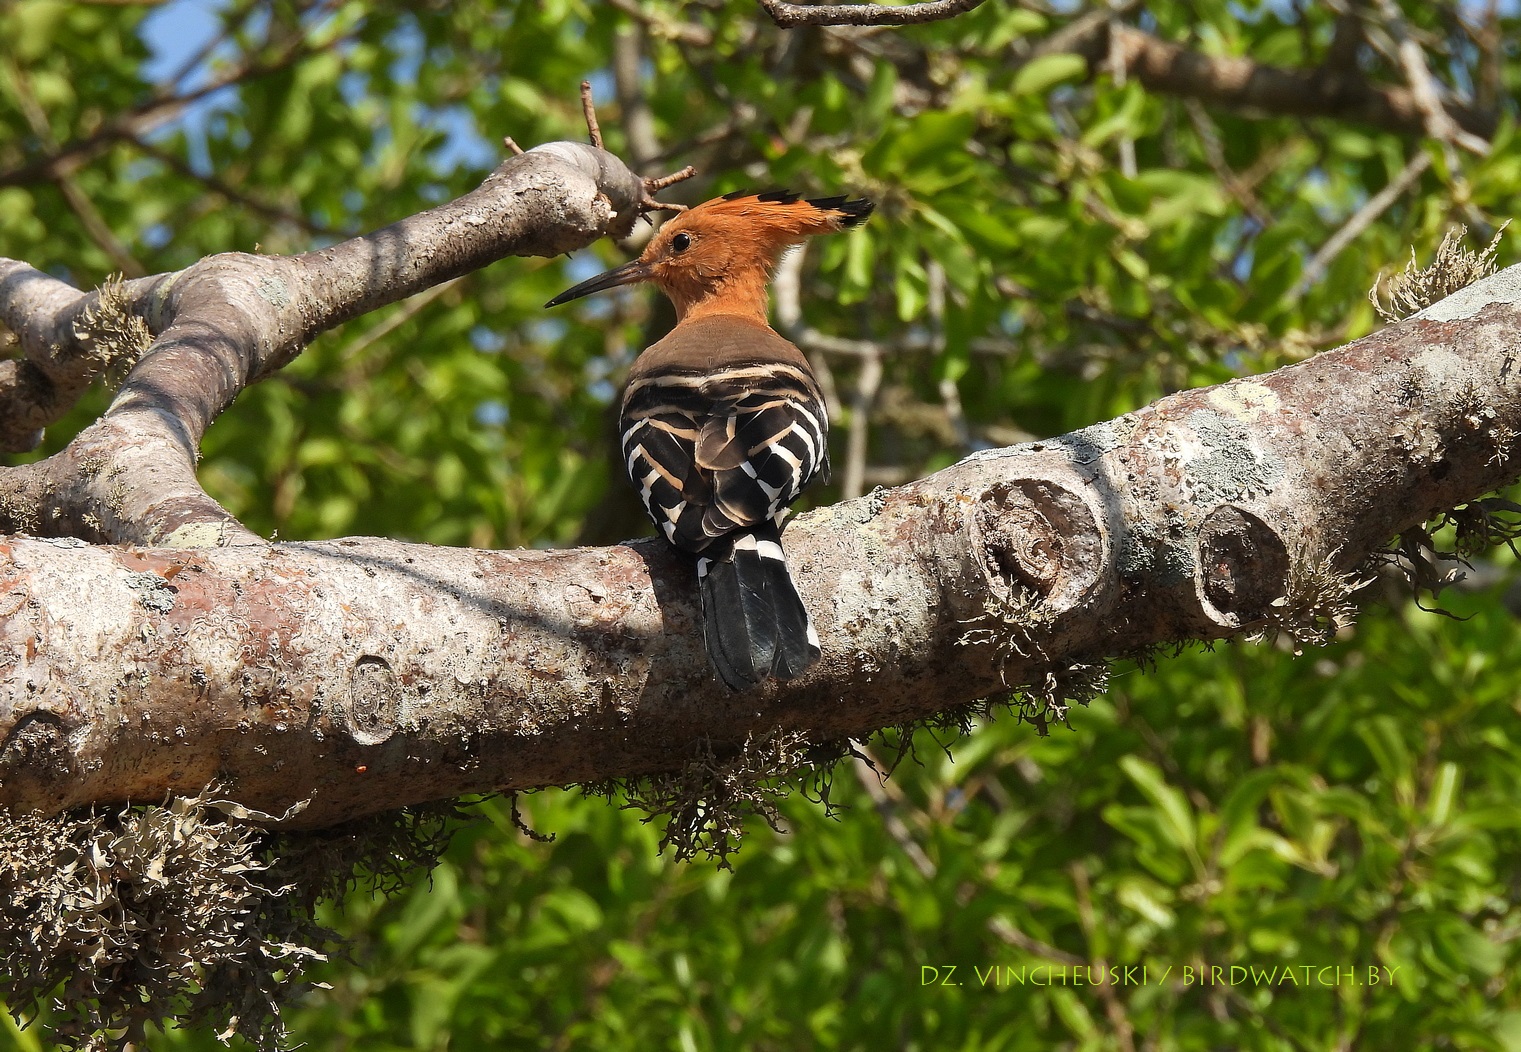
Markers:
{"x": 1056, "y": 244}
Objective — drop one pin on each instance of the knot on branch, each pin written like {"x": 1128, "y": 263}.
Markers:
{"x": 619, "y": 189}
{"x": 373, "y": 703}
{"x": 1243, "y": 567}
{"x": 1040, "y": 536}
{"x": 627, "y": 195}
{"x": 34, "y": 753}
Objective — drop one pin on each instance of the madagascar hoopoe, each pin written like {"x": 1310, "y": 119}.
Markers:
{"x": 723, "y": 424}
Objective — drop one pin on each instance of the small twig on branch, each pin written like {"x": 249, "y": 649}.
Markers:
{"x": 589, "y": 108}
{"x": 235, "y": 22}
{"x": 409, "y": 309}
{"x": 950, "y": 394}
{"x": 507, "y": 141}
{"x": 1001, "y": 927}
{"x": 647, "y": 202}
{"x": 1117, "y": 71}
{"x": 891, "y": 802}
{"x": 1124, "y": 1030}
{"x": 887, "y": 805}
{"x": 853, "y": 484}
{"x": 1489, "y": 38}
{"x": 1214, "y": 153}
{"x": 786, "y": 286}
{"x": 654, "y": 186}
{"x": 221, "y": 188}
{"x": 98, "y": 229}
{"x": 154, "y": 113}
{"x": 661, "y": 26}
{"x": 634, "y": 110}
{"x": 95, "y": 225}
{"x": 790, "y": 16}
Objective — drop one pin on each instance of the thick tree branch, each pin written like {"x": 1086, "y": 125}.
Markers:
{"x": 64, "y": 348}
{"x": 234, "y": 319}
{"x": 367, "y": 674}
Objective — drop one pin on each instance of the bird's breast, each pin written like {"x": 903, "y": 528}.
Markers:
{"x": 717, "y": 345}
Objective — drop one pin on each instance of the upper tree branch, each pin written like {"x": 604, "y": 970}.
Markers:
{"x": 1332, "y": 90}
{"x": 163, "y": 106}
{"x": 367, "y": 674}
{"x": 790, "y": 16}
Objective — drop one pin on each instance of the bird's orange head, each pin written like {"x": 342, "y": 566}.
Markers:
{"x": 717, "y": 257}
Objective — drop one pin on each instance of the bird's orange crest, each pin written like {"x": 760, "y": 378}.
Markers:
{"x": 717, "y": 257}
{"x": 775, "y": 218}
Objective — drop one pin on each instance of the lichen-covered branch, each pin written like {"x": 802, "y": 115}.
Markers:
{"x": 366, "y": 674}
{"x": 67, "y": 339}
{"x": 195, "y": 338}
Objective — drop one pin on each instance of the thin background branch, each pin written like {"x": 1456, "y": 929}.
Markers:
{"x": 791, "y": 16}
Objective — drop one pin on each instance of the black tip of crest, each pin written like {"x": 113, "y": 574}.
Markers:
{"x": 853, "y": 213}
{"x": 770, "y": 197}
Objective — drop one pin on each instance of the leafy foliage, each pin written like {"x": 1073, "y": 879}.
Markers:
{"x": 1051, "y": 248}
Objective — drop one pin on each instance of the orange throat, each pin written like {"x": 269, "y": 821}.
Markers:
{"x": 745, "y": 297}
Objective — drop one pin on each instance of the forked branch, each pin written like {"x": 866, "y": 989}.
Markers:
{"x": 190, "y": 341}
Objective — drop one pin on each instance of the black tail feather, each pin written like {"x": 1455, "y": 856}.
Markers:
{"x": 753, "y": 620}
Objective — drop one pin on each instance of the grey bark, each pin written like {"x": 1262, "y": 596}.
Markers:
{"x": 364, "y": 674}
{"x": 233, "y": 319}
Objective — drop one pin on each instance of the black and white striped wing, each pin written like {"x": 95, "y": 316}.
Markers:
{"x": 717, "y": 452}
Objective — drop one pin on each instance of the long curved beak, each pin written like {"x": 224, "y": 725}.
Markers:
{"x": 630, "y": 273}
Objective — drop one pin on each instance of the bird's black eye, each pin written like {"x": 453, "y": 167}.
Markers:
{"x": 681, "y": 242}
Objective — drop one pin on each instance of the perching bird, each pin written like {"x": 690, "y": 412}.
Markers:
{"x": 723, "y": 423}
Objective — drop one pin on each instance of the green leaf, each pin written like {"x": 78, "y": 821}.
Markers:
{"x": 1046, "y": 72}
{"x": 1177, "y": 814}
{"x": 1444, "y": 793}
{"x": 1384, "y": 739}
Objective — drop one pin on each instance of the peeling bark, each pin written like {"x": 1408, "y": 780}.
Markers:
{"x": 367, "y": 674}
